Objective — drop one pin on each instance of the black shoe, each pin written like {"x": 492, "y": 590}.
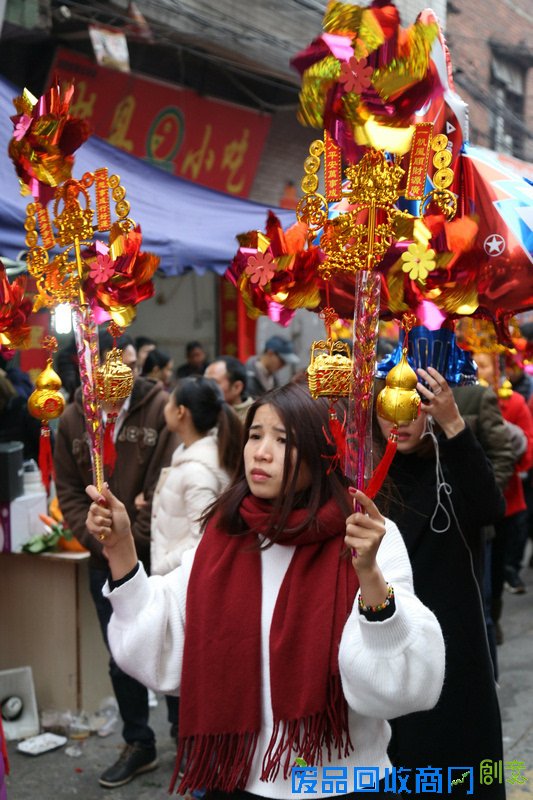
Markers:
{"x": 174, "y": 730}
{"x": 514, "y": 585}
{"x": 133, "y": 760}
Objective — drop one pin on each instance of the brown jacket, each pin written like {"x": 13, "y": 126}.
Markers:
{"x": 144, "y": 446}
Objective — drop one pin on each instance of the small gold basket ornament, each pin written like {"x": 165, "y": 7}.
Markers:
{"x": 330, "y": 372}
{"x": 114, "y": 379}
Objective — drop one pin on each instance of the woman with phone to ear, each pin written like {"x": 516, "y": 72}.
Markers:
{"x": 292, "y": 630}
{"x": 443, "y": 491}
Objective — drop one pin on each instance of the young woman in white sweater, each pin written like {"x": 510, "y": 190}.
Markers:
{"x": 284, "y": 645}
{"x": 200, "y": 470}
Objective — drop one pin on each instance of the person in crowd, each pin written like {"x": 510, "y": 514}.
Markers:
{"x": 144, "y": 445}
{"x": 196, "y": 362}
{"x": 511, "y": 533}
{"x": 19, "y": 379}
{"x": 281, "y": 644}
{"x": 16, "y": 422}
{"x": 230, "y": 374}
{"x": 443, "y": 492}
{"x": 200, "y": 469}
{"x": 261, "y": 370}
{"x": 158, "y": 366}
{"x": 520, "y": 380}
{"x": 143, "y": 346}
{"x": 478, "y": 406}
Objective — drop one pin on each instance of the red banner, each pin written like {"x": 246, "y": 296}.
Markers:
{"x": 211, "y": 142}
{"x": 237, "y": 330}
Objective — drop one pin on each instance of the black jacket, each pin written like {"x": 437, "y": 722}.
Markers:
{"x": 465, "y": 727}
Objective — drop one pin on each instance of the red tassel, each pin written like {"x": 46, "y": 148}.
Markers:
{"x": 46, "y": 462}
{"x": 380, "y": 473}
{"x": 336, "y": 436}
{"x": 110, "y": 451}
{"x": 3, "y": 749}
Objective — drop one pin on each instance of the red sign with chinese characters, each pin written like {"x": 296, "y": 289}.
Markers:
{"x": 332, "y": 169}
{"x": 211, "y": 142}
{"x": 418, "y": 162}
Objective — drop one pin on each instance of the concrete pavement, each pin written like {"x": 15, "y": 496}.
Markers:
{"x": 56, "y": 776}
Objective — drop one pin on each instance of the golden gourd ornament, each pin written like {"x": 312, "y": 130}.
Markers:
{"x": 47, "y": 402}
{"x": 399, "y": 401}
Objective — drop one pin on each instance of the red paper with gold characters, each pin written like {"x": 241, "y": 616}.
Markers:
{"x": 207, "y": 141}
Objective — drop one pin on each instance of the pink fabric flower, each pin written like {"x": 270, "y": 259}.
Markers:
{"x": 355, "y": 75}
{"x": 261, "y": 268}
{"x": 22, "y": 125}
{"x": 102, "y": 269}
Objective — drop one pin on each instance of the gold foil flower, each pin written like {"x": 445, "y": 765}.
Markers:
{"x": 418, "y": 261}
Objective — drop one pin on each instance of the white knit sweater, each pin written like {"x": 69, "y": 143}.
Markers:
{"x": 387, "y": 668}
{"x": 183, "y": 492}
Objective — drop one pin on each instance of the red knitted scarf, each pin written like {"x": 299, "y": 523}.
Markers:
{"x": 220, "y": 704}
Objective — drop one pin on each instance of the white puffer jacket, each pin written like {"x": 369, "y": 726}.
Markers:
{"x": 184, "y": 490}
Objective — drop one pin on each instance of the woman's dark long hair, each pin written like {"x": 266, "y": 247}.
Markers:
{"x": 306, "y": 423}
{"x": 205, "y": 401}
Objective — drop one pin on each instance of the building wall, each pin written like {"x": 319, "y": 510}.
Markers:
{"x": 470, "y": 29}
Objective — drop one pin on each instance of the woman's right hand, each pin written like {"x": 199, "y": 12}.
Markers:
{"x": 107, "y": 519}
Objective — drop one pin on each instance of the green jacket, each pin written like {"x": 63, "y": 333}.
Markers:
{"x": 478, "y": 405}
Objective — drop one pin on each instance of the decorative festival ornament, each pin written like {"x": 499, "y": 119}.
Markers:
{"x": 401, "y": 215}
{"x": 44, "y": 139}
{"x": 47, "y": 403}
{"x": 99, "y": 279}
{"x": 399, "y": 401}
{"x": 114, "y": 382}
{"x": 330, "y": 371}
{"x": 14, "y": 312}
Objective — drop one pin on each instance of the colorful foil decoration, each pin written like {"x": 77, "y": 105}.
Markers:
{"x": 409, "y": 218}
{"x": 44, "y": 139}
{"x": 100, "y": 280}
{"x": 14, "y": 312}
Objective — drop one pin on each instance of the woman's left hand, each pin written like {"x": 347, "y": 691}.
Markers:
{"x": 440, "y": 402}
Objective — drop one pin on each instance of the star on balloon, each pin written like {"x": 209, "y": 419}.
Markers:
{"x": 494, "y": 245}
